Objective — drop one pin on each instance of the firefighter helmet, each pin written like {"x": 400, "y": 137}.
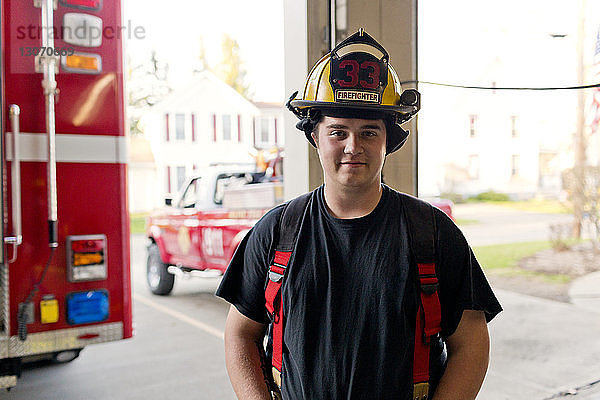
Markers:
{"x": 356, "y": 80}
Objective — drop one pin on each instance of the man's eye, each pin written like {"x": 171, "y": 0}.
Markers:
{"x": 337, "y": 133}
{"x": 370, "y": 133}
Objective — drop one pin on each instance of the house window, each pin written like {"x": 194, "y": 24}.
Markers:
{"x": 239, "y": 127}
{"x": 179, "y": 126}
{"x": 514, "y": 165}
{"x": 513, "y": 126}
{"x": 264, "y": 130}
{"x": 472, "y": 125}
{"x": 474, "y": 166}
{"x": 226, "y": 127}
{"x": 180, "y": 177}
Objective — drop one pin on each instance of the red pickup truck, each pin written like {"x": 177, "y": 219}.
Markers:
{"x": 197, "y": 234}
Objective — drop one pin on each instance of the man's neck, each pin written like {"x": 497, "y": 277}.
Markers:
{"x": 351, "y": 202}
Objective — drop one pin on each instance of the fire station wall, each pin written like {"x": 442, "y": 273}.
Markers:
{"x": 394, "y": 24}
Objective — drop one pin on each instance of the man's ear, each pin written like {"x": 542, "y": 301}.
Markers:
{"x": 315, "y": 137}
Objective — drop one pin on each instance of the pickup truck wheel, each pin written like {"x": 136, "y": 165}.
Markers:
{"x": 159, "y": 279}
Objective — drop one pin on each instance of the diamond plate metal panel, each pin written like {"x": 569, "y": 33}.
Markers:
{"x": 72, "y": 338}
{"x": 8, "y": 381}
{"x": 4, "y": 316}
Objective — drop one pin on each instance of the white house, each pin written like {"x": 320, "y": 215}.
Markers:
{"x": 511, "y": 141}
{"x": 203, "y": 122}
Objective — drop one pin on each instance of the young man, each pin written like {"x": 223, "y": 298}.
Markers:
{"x": 349, "y": 294}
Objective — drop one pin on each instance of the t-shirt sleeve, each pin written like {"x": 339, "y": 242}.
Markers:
{"x": 463, "y": 285}
{"x": 243, "y": 284}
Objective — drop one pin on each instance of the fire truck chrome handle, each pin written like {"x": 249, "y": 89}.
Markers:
{"x": 50, "y": 90}
{"x": 17, "y": 239}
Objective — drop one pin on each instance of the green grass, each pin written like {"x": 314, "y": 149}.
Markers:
{"x": 501, "y": 256}
{"x": 502, "y": 259}
{"x": 137, "y": 222}
{"x": 534, "y": 205}
{"x": 465, "y": 221}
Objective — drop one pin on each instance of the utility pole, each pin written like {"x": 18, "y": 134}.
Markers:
{"x": 579, "y": 142}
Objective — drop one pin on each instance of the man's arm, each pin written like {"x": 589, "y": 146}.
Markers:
{"x": 244, "y": 356}
{"x": 468, "y": 357}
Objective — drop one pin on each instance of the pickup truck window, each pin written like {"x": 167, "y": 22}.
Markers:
{"x": 190, "y": 196}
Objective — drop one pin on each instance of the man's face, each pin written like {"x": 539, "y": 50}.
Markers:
{"x": 352, "y": 151}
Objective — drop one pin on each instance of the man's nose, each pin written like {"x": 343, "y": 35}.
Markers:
{"x": 353, "y": 145}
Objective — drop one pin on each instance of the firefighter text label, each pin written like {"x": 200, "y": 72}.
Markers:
{"x": 355, "y": 95}
{"x": 48, "y": 51}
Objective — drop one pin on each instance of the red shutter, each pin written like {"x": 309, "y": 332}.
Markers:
{"x": 276, "y": 130}
{"x": 167, "y": 121}
{"x": 168, "y": 179}
{"x": 193, "y": 127}
{"x": 239, "y": 128}
{"x": 214, "y": 118}
{"x": 254, "y": 131}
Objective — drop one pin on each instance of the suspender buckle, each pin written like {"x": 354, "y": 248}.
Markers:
{"x": 275, "y": 276}
{"x": 277, "y": 377}
{"x": 430, "y": 288}
{"x": 421, "y": 391}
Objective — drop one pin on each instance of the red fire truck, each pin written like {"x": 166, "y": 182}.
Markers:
{"x": 197, "y": 234}
{"x": 64, "y": 266}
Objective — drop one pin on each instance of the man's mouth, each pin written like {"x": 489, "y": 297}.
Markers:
{"x": 352, "y": 163}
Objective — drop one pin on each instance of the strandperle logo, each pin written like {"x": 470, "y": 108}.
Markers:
{"x": 84, "y": 32}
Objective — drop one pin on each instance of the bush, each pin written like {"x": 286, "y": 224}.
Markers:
{"x": 454, "y": 197}
{"x": 490, "y": 196}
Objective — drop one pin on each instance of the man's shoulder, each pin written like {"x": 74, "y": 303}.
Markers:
{"x": 273, "y": 216}
{"x": 410, "y": 202}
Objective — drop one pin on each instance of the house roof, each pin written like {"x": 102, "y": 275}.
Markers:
{"x": 202, "y": 90}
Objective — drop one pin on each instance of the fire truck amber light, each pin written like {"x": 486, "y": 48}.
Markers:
{"x": 83, "y": 4}
{"x": 87, "y": 307}
{"x": 82, "y": 63}
{"x": 87, "y": 259}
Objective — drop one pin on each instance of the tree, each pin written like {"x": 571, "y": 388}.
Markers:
{"x": 583, "y": 184}
{"x": 146, "y": 86}
{"x": 231, "y": 68}
{"x": 201, "y": 63}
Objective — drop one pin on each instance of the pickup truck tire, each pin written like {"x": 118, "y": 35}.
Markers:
{"x": 160, "y": 281}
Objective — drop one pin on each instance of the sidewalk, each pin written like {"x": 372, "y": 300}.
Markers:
{"x": 541, "y": 348}
{"x": 585, "y": 293}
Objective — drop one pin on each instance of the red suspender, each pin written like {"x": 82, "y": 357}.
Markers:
{"x": 428, "y": 323}
{"x": 274, "y": 304}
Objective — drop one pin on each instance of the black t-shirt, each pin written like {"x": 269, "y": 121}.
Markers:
{"x": 350, "y": 298}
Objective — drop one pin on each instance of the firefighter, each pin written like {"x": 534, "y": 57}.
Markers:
{"x": 353, "y": 311}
